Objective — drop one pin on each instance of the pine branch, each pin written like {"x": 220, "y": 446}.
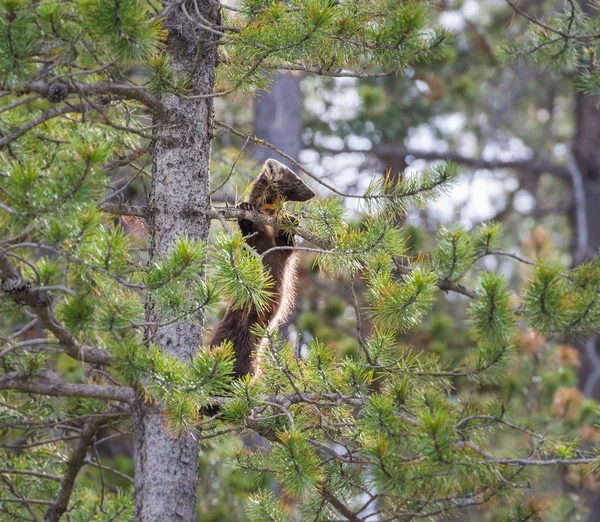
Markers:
{"x": 42, "y": 118}
{"x": 47, "y": 383}
{"x": 442, "y": 284}
{"x": 549, "y": 28}
{"x": 40, "y": 305}
{"x": 236, "y": 213}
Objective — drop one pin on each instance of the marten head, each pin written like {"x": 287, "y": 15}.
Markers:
{"x": 277, "y": 182}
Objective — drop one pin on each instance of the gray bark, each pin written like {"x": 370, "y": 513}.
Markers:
{"x": 166, "y": 467}
{"x": 278, "y": 118}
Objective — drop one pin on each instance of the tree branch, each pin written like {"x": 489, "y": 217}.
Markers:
{"x": 550, "y": 28}
{"x": 47, "y": 383}
{"x": 320, "y": 71}
{"x": 125, "y": 160}
{"x": 533, "y": 164}
{"x": 118, "y": 89}
{"x": 339, "y": 505}
{"x": 124, "y": 210}
{"x": 76, "y": 462}
{"x": 40, "y": 305}
{"x": 263, "y": 143}
{"x": 238, "y": 213}
{"x": 34, "y": 122}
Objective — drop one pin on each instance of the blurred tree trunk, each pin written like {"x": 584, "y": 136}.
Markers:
{"x": 586, "y": 150}
{"x": 278, "y": 118}
{"x": 166, "y": 466}
{"x": 585, "y": 173}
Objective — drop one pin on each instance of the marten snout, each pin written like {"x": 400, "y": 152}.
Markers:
{"x": 292, "y": 188}
{"x": 303, "y": 193}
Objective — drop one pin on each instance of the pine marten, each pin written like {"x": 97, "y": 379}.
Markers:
{"x": 276, "y": 183}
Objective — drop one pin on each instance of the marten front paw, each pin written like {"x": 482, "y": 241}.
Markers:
{"x": 244, "y": 205}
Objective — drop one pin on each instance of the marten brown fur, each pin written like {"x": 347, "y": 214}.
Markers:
{"x": 276, "y": 183}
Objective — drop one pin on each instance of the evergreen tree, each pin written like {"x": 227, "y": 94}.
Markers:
{"x": 99, "y": 331}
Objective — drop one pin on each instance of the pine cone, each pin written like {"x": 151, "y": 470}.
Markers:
{"x": 57, "y": 92}
{"x": 15, "y": 286}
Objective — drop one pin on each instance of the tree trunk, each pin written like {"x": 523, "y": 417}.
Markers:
{"x": 166, "y": 467}
{"x": 587, "y": 168}
{"x": 278, "y": 118}
{"x": 585, "y": 172}
{"x": 586, "y": 220}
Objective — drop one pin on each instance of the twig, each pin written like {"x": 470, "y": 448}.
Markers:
{"x": 76, "y": 462}
{"x": 232, "y": 167}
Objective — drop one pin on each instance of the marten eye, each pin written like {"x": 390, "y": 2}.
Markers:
{"x": 298, "y": 183}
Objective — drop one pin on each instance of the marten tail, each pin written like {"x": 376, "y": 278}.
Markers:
{"x": 285, "y": 307}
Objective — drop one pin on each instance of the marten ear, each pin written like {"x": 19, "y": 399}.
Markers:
{"x": 273, "y": 169}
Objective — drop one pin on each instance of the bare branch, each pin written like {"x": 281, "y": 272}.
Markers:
{"x": 339, "y": 73}
{"x": 258, "y": 141}
{"x": 508, "y": 254}
{"x": 125, "y": 160}
{"x": 131, "y": 92}
{"x": 8, "y": 471}
{"x": 76, "y": 462}
{"x": 532, "y": 164}
{"x": 340, "y": 506}
{"x": 47, "y": 383}
{"x": 238, "y": 213}
{"x": 124, "y": 210}
{"x": 109, "y": 469}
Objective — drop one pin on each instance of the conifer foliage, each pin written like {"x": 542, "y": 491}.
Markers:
{"x": 95, "y": 328}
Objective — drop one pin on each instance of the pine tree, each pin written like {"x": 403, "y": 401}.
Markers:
{"x": 98, "y": 331}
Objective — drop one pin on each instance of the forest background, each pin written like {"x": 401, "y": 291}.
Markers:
{"x": 512, "y": 101}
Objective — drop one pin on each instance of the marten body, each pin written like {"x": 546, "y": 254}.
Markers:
{"x": 274, "y": 184}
